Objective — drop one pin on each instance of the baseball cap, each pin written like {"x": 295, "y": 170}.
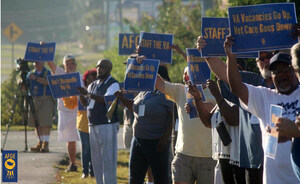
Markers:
{"x": 69, "y": 56}
{"x": 280, "y": 57}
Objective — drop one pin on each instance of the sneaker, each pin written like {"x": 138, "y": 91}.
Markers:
{"x": 45, "y": 147}
{"x": 71, "y": 168}
{"x": 84, "y": 176}
{"x": 36, "y": 148}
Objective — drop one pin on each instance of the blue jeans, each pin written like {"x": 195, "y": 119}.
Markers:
{"x": 143, "y": 153}
{"x": 86, "y": 153}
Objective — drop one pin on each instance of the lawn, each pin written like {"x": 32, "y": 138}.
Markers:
{"x": 63, "y": 177}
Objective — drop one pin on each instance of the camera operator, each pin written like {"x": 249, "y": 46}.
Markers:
{"x": 43, "y": 104}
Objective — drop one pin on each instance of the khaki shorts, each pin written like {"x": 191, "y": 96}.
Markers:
{"x": 44, "y": 107}
{"x": 190, "y": 169}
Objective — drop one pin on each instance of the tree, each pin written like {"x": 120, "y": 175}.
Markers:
{"x": 182, "y": 20}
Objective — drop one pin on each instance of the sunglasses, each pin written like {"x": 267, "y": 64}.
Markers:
{"x": 284, "y": 70}
{"x": 268, "y": 56}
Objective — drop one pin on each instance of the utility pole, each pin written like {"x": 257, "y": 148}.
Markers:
{"x": 121, "y": 16}
{"x": 107, "y": 25}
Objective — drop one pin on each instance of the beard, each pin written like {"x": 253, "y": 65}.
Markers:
{"x": 265, "y": 73}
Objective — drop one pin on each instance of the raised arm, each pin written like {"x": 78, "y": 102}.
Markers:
{"x": 229, "y": 113}
{"x": 160, "y": 84}
{"x": 217, "y": 66}
{"x": 203, "y": 109}
{"x": 52, "y": 66}
{"x": 179, "y": 51}
{"x": 234, "y": 78}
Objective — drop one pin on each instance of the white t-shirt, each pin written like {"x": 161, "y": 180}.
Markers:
{"x": 278, "y": 170}
{"x": 218, "y": 149}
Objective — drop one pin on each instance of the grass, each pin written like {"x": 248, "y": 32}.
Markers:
{"x": 63, "y": 177}
{"x": 21, "y": 128}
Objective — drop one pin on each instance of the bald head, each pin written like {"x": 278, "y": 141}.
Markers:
{"x": 104, "y": 67}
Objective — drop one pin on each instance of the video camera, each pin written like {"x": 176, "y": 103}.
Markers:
{"x": 22, "y": 66}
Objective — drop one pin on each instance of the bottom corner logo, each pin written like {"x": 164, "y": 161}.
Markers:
{"x": 10, "y": 166}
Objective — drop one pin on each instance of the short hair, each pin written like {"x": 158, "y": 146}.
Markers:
{"x": 92, "y": 72}
{"x": 295, "y": 52}
{"x": 68, "y": 57}
{"x": 163, "y": 72}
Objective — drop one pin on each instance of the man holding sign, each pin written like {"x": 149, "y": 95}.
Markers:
{"x": 278, "y": 170}
{"x": 43, "y": 104}
{"x": 103, "y": 132}
{"x": 67, "y": 112}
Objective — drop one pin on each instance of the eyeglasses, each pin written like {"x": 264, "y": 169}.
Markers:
{"x": 268, "y": 56}
{"x": 284, "y": 70}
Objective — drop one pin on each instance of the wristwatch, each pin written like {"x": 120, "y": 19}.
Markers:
{"x": 89, "y": 95}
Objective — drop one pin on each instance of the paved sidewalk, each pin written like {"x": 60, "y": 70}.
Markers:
{"x": 38, "y": 168}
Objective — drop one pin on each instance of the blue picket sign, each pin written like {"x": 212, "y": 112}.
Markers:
{"x": 35, "y": 52}
{"x": 262, "y": 27}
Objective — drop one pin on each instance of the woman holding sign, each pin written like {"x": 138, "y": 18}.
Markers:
{"x": 152, "y": 128}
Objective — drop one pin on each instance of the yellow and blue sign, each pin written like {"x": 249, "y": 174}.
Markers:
{"x": 10, "y": 166}
{"x": 64, "y": 85}
{"x": 128, "y": 94}
{"x": 141, "y": 77}
{"x": 128, "y": 43}
{"x": 36, "y": 52}
{"x": 262, "y": 27}
{"x": 199, "y": 71}
{"x": 156, "y": 46}
{"x": 214, "y": 31}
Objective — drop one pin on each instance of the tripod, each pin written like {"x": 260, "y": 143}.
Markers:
{"x": 27, "y": 102}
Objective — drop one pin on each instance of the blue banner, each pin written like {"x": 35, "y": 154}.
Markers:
{"x": 10, "y": 166}
{"x": 262, "y": 27}
{"x": 64, "y": 85}
{"x": 191, "y": 101}
{"x": 36, "y": 52}
{"x": 141, "y": 77}
{"x": 128, "y": 94}
{"x": 156, "y": 46}
{"x": 199, "y": 71}
{"x": 128, "y": 43}
{"x": 214, "y": 31}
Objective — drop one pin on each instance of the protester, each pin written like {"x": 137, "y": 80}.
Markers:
{"x": 43, "y": 105}
{"x": 288, "y": 128}
{"x": 224, "y": 145}
{"x": 89, "y": 76}
{"x": 151, "y": 134}
{"x": 67, "y": 112}
{"x": 103, "y": 133}
{"x": 192, "y": 161}
{"x": 286, "y": 93}
{"x": 250, "y": 141}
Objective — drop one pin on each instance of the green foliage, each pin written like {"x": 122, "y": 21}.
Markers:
{"x": 184, "y": 21}
{"x": 9, "y": 88}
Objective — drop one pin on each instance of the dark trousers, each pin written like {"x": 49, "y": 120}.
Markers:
{"x": 86, "y": 160}
{"x": 232, "y": 174}
{"x": 254, "y": 176}
{"x": 143, "y": 153}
